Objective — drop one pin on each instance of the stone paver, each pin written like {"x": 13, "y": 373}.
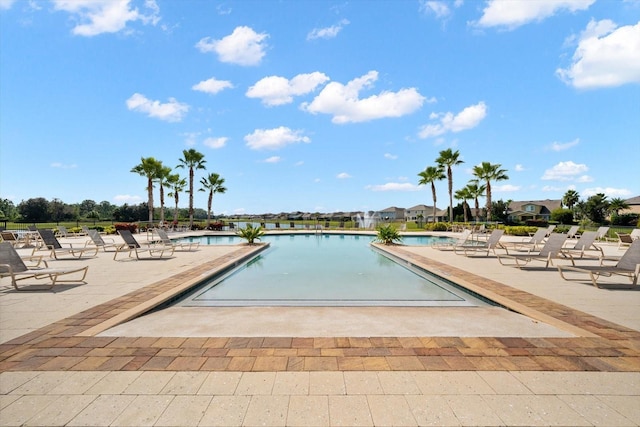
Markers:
{"x": 57, "y": 373}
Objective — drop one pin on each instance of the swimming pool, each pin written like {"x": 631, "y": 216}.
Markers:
{"x": 234, "y": 240}
{"x": 325, "y": 270}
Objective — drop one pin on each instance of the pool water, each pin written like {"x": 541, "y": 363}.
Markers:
{"x": 329, "y": 269}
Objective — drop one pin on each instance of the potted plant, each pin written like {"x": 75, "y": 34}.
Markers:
{"x": 250, "y": 234}
{"x": 388, "y": 235}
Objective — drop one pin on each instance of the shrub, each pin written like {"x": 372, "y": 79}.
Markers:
{"x": 250, "y": 234}
{"x": 131, "y": 226}
{"x": 519, "y": 230}
{"x": 215, "y": 226}
{"x": 388, "y": 235}
{"x": 630, "y": 219}
{"x": 537, "y": 223}
{"x": 436, "y": 226}
{"x": 563, "y": 216}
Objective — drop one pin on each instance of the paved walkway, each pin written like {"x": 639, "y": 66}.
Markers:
{"x": 56, "y": 368}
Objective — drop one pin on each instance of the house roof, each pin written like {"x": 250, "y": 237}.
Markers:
{"x": 633, "y": 201}
{"x": 421, "y": 208}
{"x": 542, "y": 206}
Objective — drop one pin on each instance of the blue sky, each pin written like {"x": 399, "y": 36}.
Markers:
{"x": 319, "y": 105}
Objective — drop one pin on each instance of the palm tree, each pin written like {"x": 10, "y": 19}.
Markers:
{"x": 192, "y": 159}
{"x": 214, "y": 184}
{"x": 617, "y": 204}
{"x": 464, "y": 195}
{"x": 429, "y": 176}
{"x": 148, "y": 168}
{"x": 177, "y": 184}
{"x": 570, "y": 198}
{"x": 164, "y": 172}
{"x": 476, "y": 190}
{"x": 447, "y": 159}
{"x": 487, "y": 172}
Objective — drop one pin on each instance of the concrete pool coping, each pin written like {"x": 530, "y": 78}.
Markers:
{"x": 63, "y": 344}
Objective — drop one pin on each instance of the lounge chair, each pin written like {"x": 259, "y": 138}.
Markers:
{"x": 628, "y": 265}
{"x": 12, "y": 265}
{"x": 131, "y": 246}
{"x": 550, "y": 230}
{"x": 8, "y": 236}
{"x": 99, "y": 242}
{"x": 292, "y": 225}
{"x": 63, "y": 232}
{"x": 56, "y": 248}
{"x": 551, "y": 249}
{"x": 492, "y": 242}
{"x": 624, "y": 239}
{"x": 527, "y": 245}
{"x": 573, "y": 232}
{"x": 450, "y": 246}
{"x": 185, "y": 246}
{"x": 583, "y": 246}
{"x": 602, "y": 233}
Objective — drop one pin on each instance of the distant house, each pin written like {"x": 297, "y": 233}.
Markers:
{"x": 634, "y": 206}
{"x": 422, "y": 211}
{"x": 532, "y": 210}
{"x": 391, "y": 214}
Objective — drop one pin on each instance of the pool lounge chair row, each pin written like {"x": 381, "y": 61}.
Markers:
{"x": 555, "y": 248}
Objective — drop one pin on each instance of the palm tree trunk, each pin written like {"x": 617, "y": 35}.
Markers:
{"x": 433, "y": 191}
{"x": 150, "y": 197}
{"x": 450, "y": 178}
{"x": 488, "y": 200}
{"x": 210, "y": 202}
{"x": 161, "y": 203}
{"x": 190, "y": 198}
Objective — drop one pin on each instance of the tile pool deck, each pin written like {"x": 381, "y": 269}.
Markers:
{"x": 55, "y": 370}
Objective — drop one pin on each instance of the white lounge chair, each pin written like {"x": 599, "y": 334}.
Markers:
{"x": 551, "y": 249}
{"x": 131, "y": 246}
{"x": 185, "y": 246}
{"x": 12, "y": 265}
{"x": 584, "y": 247}
{"x": 528, "y": 245}
{"x": 628, "y": 265}
{"x": 573, "y": 232}
{"x": 602, "y": 233}
{"x": 449, "y": 246}
{"x": 101, "y": 243}
{"x": 492, "y": 242}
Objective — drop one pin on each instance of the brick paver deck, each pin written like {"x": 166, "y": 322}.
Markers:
{"x": 64, "y": 345}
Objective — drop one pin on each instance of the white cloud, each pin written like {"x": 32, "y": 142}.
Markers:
{"x": 565, "y": 171}
{"x": 218, "y": 142}
{"x": 390, "y": 156}
{"x": 606, "y": 56}
{"x": 6, "y": 4}
{"x": 439, "y": 8}
{"x": 299, "y": 163}
{"x": 584, "y": 178}
{"x": 562, "y": 146}
{"x": 466, "y": 119}
{"x": 343, "y": 175}
{"x": 272, "y": 159}
{"x": 608, "y": 191}
{"x": 63, "y": 166}
{"x": 243, "y": 47}
{"x": 343, "y": 103}
{"x": 552, "y": 189}
{"x": 394, "y": 186}
{"x": 514, "y": 13}
{"x": 519, "y": 168}
{"x": 172, "y": 111}
{"x": 106, "y": 16}
{"x": 328, "y": 32}
{"x": 505, "y": 188}
{"x": 212, "y": 86}
{"x": 273, "y": 139}
{"x": 127, "y": 198}
{"x": 276, "y": 90}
